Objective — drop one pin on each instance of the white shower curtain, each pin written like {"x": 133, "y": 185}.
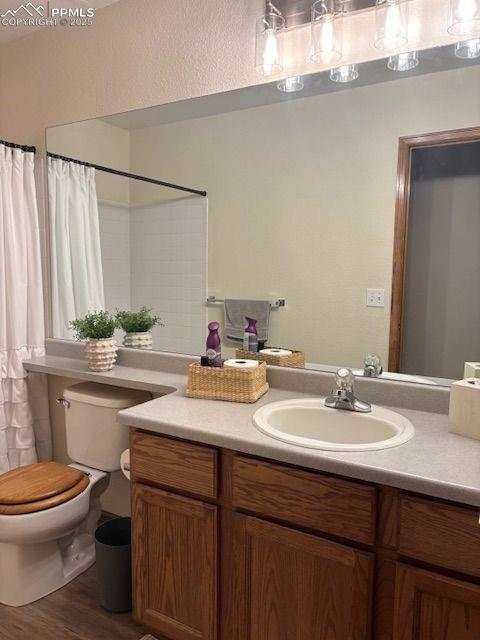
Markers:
{"x": 24, "y": 418}
{"x": 76, "y": 258}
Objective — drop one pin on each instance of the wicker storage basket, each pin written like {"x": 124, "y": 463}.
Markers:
{"x": 232, "y": 385}
{"x": 297, "y": 359}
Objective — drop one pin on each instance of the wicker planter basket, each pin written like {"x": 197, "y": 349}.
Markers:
{"x": 297, "y": 359}
{"x": 232, "y": 385}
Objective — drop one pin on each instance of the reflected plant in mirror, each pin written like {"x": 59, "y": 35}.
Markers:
{"x": 138, "y": 327}
{"x": 355, "y": 204}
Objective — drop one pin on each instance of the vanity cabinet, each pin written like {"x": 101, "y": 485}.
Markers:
{"x": 293, "y": 585}
{"x": 174, "y": 541}
{"x": 232, "y": 547}
{"x": 430, "y": 606}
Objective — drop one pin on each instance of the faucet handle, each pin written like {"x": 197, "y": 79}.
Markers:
{"x": 342, "y": 396}
{"x": 372, "y": 366}
{"x": 344, "y": 379}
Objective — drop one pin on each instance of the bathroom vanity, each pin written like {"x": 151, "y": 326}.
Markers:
{"x": 237, "y": 547}
{"x": 239, "y": 536}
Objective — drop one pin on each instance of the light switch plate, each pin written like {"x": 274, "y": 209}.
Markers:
{"x": 375, "y": 297}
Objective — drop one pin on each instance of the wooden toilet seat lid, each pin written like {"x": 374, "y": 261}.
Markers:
{"x": 39, "y": 486}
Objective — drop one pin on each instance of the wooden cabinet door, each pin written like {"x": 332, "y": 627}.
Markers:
{"x": 295, "y": 586}
{"x": 429, "y": 606}
{"x": 174, "y": 548}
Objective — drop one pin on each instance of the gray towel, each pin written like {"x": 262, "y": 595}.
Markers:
{"x": 237, "y": 310}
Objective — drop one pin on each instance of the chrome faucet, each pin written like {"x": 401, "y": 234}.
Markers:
{"x": 372, "y": 366}
{"x": 343, "y": 397}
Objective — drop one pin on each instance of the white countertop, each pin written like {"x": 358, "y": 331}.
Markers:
{"x": 434, "y": 462}
{"x": 157, "y": 382}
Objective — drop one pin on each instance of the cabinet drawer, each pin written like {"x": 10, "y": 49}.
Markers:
{"x": 178, "y": 465}
{"x": 440, "y": 534}
{"x": 308, "y": 499}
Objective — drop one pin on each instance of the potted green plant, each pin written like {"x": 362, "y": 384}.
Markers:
{"x": 97, "y": 328}
{"x": 138, "y": 326}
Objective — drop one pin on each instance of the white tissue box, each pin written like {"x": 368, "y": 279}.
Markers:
{"x": 464, "y": 414}
{"x": 472, "y": 370}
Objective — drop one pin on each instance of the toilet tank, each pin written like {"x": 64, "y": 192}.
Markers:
{"x": 94, "y": 437}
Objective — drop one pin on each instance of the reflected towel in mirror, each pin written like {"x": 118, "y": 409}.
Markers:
{"x": 237, "y": 310}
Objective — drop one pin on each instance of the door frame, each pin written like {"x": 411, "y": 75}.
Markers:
{"x": 402, "y": 207}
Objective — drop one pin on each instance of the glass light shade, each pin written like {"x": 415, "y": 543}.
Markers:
{"x": 344, "y": 74}
{"x": 403, "y": 61}
{"x": 268, "y": 46}
{"x": 392, "y": 25}
{"x": 468, "y": 50}
{"x": 291, "y": 85}
{"x": 327, "y": 32}
{"x": 464, "y": 17}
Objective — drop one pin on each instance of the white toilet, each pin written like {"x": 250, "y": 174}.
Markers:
{"x": 49, "y": 511}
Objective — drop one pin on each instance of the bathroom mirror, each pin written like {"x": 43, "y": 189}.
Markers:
{"x": 353, "y": 208}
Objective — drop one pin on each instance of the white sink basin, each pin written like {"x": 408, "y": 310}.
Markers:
{"x": 308, "y": 423}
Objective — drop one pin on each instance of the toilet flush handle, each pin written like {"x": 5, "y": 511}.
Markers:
{"x": 63, "y": 402}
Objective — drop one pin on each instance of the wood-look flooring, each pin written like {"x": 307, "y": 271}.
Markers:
{"x": 71, "y": 613}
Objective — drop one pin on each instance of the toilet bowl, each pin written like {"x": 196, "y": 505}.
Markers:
{"x": 49, "y": 511}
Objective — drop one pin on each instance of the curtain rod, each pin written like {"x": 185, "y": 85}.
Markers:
{"x": 14, "y": 145}
{"x": 128, "y": 175}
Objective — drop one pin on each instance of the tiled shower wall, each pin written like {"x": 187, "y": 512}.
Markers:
{"x": 114, "y": 221}
{"x": 115, "y": 240}
{"x": 169, "y": 270}
{"x": 156, "y": 255}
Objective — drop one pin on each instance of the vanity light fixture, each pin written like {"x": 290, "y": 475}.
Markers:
{"x": 403, "y": 61}
{"x": 291, "y": 85}
{"x": 327, "y": 31}
{"x": 468, "y": 50}
{"x": 464, "y": 17}
{"x": 391, "y": 25}
{"x": 268, "y": 46}
{"x": 344, "y": 74}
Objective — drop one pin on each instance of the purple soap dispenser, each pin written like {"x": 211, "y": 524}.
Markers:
{"x": 214, "y": 346}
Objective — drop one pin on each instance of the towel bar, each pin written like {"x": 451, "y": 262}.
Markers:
{"x": 275, "y": 304}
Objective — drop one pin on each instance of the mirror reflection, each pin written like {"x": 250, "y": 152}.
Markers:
{"x": 343, "y": 221}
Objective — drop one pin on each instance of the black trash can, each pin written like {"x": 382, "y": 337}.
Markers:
{"x": 114, "y": 565}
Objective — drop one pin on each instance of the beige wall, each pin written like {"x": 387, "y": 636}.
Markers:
{"x": 302, "y": 201}
{"x": 138, "y": 53}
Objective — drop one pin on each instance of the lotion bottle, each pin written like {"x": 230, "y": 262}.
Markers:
{"x": 250, "y": 336}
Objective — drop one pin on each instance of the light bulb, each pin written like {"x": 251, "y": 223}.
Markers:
{"x": 468, "y": 49}
{"x": 291, "y": 85}
{"x": 326, "y": 32}
{"x": 344, "y": 74}
{"x": 270, "y": 51}
{"x": 268, "y": 46}
{"x": 391, "y": 18}
{"x": 464, "y": 18}
{"x": 403, "y": 61}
